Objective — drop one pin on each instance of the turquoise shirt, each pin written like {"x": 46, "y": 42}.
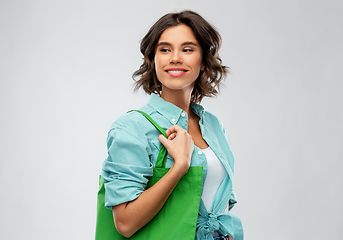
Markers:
{"x": 132, "y": 152}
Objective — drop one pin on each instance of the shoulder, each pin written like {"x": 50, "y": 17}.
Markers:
{"x": 131, "y": 117}
{"x": 132, "y": 123}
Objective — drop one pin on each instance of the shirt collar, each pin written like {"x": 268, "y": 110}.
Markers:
{"x": 197, "y": 109}
{"x": 169, "y": 110}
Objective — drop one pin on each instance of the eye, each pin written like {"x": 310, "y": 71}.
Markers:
{"x": 188, "y": 50}
{"x": 165, "y": 50}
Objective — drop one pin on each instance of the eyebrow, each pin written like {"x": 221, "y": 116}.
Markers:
{"x": 183, "y": 44}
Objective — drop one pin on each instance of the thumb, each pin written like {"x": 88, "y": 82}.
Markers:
{"x": 163, "y": 140}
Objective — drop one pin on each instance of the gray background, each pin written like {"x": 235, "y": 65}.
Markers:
{"x": 65, "y": 71}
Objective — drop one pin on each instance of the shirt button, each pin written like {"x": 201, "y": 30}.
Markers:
{"x": 200, "y": 152}
{"x": 183, "y": 114}
{"x": 173, "y": 120}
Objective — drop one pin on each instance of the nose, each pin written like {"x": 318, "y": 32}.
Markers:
{"x": 175, "y": 58}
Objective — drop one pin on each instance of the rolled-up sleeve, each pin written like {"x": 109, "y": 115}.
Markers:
{"x": 127, "y": 169}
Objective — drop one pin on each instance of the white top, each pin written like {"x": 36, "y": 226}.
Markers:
{"x": 215, "y": 175}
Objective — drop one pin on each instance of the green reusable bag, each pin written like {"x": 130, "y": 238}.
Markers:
{"x": 178, "y": 217}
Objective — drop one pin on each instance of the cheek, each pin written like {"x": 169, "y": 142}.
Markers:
{"x": 197, "y": 61}
{"x": 158, "y": 68}
{"x": 157, "y": 63}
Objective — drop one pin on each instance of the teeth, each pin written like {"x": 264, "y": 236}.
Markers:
{"x": 176, "y": 71}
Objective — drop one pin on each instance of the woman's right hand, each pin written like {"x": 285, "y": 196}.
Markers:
{"x": 180, "y": 147}
{"x": 131, "y": 216}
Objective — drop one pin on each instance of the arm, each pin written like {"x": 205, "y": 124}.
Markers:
{"x": 129, "y": 217}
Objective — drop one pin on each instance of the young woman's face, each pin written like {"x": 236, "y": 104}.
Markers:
{"x": 178, "y": 59}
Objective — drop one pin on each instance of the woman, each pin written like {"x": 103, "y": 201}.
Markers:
{"x": 181, "y": 66}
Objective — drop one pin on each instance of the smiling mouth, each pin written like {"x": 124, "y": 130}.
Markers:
{"x": 176, "y": 71}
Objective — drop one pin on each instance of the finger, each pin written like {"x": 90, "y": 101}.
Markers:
{"x": 172, "y": 136}
{"x": 168, "y": 132}
{"x": 163, "y": 140}
{"x": 174, "y": 128}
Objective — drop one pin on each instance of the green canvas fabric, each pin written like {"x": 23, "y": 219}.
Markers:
{"x": 178, "y": 217}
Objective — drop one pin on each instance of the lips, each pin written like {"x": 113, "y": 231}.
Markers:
{"x": 176, "y": 72}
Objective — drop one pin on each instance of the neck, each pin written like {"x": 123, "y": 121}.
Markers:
{"x": 180, "y": 99}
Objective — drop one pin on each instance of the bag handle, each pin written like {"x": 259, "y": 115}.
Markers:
{"x": 162, "y": 155}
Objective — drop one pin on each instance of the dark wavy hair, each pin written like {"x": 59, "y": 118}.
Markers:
{"x": 208, "y": 82}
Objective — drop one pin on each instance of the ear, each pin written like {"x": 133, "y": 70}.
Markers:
{"x": 202, "y": 67}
